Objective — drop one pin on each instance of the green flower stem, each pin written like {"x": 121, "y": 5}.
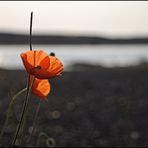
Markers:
{"x": 24, "y": 109}
{"x": 34, "y": 121}
{"x": 10, "y": 108}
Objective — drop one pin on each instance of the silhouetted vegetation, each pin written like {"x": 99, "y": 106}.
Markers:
{"x": 8, "y": 38}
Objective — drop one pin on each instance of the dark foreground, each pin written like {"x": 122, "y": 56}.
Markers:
{"x": 93, "y": 107}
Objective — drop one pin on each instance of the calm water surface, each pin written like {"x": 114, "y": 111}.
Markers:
{"x": 104, "y": 55}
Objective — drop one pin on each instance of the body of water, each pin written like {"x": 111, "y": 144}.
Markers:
{"x": 104, "y": 55}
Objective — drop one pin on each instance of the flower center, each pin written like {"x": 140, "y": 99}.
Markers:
{"x": 38, "y": 67}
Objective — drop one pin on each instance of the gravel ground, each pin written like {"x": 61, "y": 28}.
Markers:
{"x": 89, "y": 106}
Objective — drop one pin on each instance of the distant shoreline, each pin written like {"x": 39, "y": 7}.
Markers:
{"x": 10, "y": 38}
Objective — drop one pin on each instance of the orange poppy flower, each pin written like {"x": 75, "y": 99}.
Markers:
{"x": 41, "y": 65}
{"x": 40, "y": 87}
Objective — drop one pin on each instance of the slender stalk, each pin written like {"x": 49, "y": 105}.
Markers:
{"x": 24, "y": 122}
{"x": 25, "y": 104}
{"x": 9, "y": 109}
{"x": 34, "y": 121}
{"x": 31, "y": 18}
{"x": 23, "y": 112}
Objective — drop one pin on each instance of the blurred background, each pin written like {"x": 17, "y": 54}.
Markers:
{"x": 101, "y": 98}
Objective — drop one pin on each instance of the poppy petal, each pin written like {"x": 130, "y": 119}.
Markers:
{"x": 27, "y": 64}
{"x": 42, "y": 59}
{"x": 33, "y": 59}
{"x": 41, "y": 88}
{"x": 45, "y": 63}
{"x": 55, "y": 69}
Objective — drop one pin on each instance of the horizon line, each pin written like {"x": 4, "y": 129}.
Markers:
{"x": 73, "y": 35}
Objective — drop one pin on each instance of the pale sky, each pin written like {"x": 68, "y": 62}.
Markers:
{"x": 121, "y": 18}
